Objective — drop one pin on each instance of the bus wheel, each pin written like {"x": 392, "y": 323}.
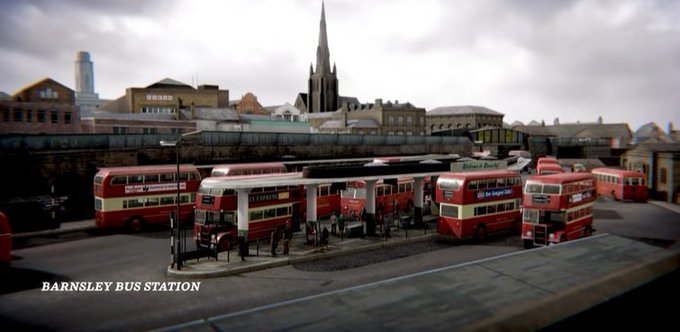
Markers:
{"x": 136, "y": 224}
{"x": 480, "y": 232}
{"x": 528, "y": 244}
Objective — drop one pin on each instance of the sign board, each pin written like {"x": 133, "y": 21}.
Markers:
{"x": 478, "y": 165}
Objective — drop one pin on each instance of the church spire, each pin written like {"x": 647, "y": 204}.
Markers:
{"x": 322, "y": 53}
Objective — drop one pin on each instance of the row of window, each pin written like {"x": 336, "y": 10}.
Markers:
{"x": 158, "y": 110}
{"x": 556, "y": 189}
{"x": 612, "y": 179}
{"x": 149, "y": 178}
{"x": 400, "y": 121}
{"x": 453, "y": 211}
{"x": 455, "y": 184}
{"x": 146, "y": 131}
{"x": 231, "y": 192}
{"x": 150, "y": 201}
{"x": 41, "y": 116}
{"x": 536, "y": 216}
{"x": 278, "y": 212}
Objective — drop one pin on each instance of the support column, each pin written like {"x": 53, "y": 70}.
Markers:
{"x": 370, "y": 207}
{"x": 418, "y": 200}
{"x": 243, "y": 219}
{"x": 311, "y": 221}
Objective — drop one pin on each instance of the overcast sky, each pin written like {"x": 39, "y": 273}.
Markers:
{"x": 529, "y": 59}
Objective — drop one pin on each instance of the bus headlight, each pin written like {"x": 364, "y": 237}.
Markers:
{"x": 551, "y": 236}
{"x": 213, "y": 238}
{"x": 529, "y": 234}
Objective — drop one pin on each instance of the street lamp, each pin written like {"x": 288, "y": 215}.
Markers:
{"x": 176, "y": 259}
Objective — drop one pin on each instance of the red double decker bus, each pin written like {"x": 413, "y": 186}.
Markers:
{"x": 620, "y": 184}
{"x": 557, "y": 208}
{"x": 215, "y": 221}
{"x": 474, "y": 204}
{"x": 138, "y": 195}
{"x": 388, "y": 196}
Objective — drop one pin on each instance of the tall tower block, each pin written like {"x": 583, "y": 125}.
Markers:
{"x": 84, "y": 73}
{"x": 323, "y": 82}
{"x": 86, "y": 98}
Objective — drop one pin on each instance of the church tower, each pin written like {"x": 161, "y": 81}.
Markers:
{"x": 323, "y": 83}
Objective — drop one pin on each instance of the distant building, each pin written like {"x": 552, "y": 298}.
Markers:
{"x": 378, "y": 118}
{"x": 287, "y": 112}
{"x": 86, "y": 97}
{"x": 466, "y": 117}
{"x": 167, "y": 96}
{"x": 102, "y": 122}
{"x": 248, "y": 104}
{"x": 44, "y": 107}
{"x": 661, "y": 163}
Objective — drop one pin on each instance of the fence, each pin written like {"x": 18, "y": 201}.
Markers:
{"x": 137, "y": 141}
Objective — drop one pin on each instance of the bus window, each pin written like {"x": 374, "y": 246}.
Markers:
{"x": 551, "y": 189}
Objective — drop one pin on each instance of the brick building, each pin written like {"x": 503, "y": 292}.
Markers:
{"x": 466, "y": 117}
{"x": 248, "y": 104}
{"x": 374, "y": 119}
{"x": 661, "y": 163}
{"x": 44, "y": 107}
{"x": 167, "y": 96}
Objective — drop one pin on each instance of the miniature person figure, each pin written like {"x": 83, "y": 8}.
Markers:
{"x": 287, "y": 236}
{"x": 341, "y": 223}
{"x": 275, "y": 240}
{"x": 334, "y": 222}
{"x": 242, "y": 247}
{"x": 324, "y": 238}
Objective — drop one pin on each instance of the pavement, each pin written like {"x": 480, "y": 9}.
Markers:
{"x": 260, "y": 257}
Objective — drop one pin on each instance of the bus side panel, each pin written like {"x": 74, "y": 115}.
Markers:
{"x": 327, "y": 205}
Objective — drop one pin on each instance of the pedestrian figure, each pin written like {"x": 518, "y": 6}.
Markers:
{"x": 324, "y": 238}
{"x": 275, "y": 240}
{"x": 341, "y": 223}
{"x": 334, "y": 221}
{"x": 287, "y": 236}
{"x": 242, "y": 247}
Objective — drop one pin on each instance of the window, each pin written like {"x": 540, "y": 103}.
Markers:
{"x": 18, "y": 114}
{"x": 119, "y": 179}
{"x": 530, "y": 215}
{"x": 409, "y": 121}
{"x": 152, "y": 201}
{"x": 120, "y": 130}
{"x": 663, "y": 175}
{"x": 54, "y": 117}
{"x": 67, "y": 117}
{"x": 135, "y": 179}
{"x": 400, "y": 121}
{"x": 390, "y": 120}
{"x": 151, "y": 178}
{"x": 29, "y": 116}
{"x": 150, "y": 131}
{"x": 449, "y": 211}
{"x": 168, "y": 200}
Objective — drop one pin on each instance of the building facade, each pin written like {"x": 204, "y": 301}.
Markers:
{"x": 248, "y": 104}
{"x": 168, "y": 97}
{"x": 44, "y": 107}
{"x": 466, "y": 117}
{"x": 86, "y": 97}
{"x": 661, "y": 163}
{"x": 379, "y": 118}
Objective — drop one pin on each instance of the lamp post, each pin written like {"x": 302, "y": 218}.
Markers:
{"x": 175, "y": 224}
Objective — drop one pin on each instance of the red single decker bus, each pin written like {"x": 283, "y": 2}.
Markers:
{"x": 474, "y": 204}
{"x": 248, "y": 169}
{"x": 139, "y": 195}
{"x": 620, "y": 184}
{"x": 557, "y": 208}
{"x": 216, "y": 224}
